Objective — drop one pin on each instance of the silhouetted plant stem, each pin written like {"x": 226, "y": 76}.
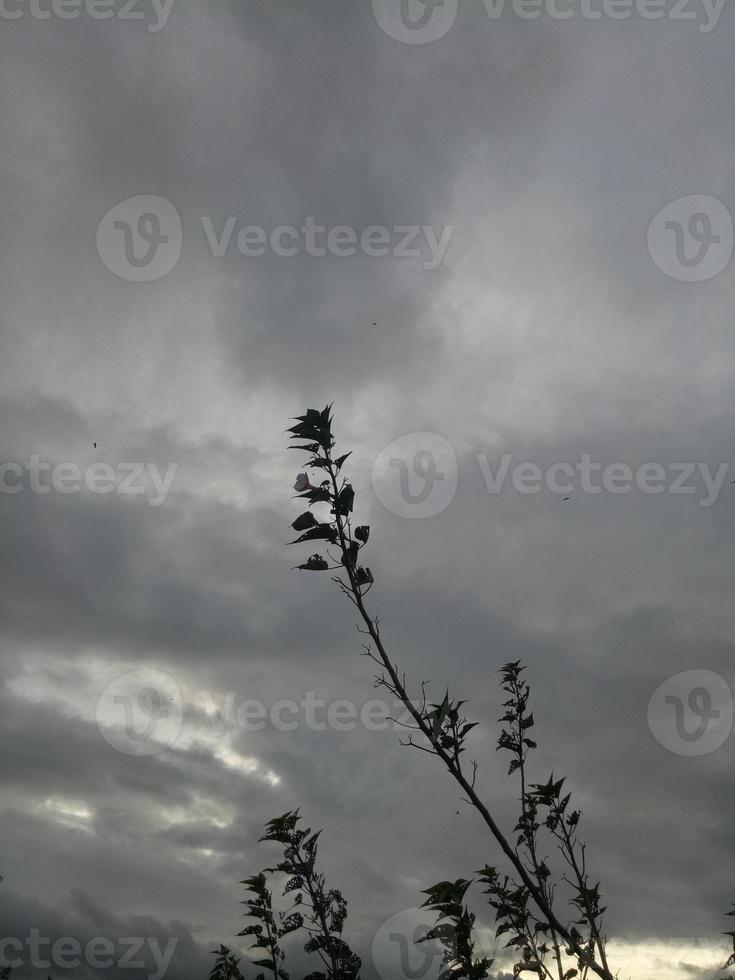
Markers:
{"x": 442, "y": 727}
{"x": 591, "y": 913}
{"x": 451, "y": 763}
{"x": 316, "y": 894}
{"x": 455, "y": 771}
{"x": 521, "y": 744}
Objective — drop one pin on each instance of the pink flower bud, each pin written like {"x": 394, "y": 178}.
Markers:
{"x": 302, "y": 483}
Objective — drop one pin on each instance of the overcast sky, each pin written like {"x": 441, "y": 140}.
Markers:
{"x": 450, "y": 222}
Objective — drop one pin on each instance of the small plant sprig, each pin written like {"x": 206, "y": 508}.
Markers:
{"x": 226, "y": 965}
{"x": 454, "y": 930}
{"x": 269, "y": 928}
{"x": 316, "y": 428}
{"x": 319, "y": 911}
{"x": 543, "y": 807}
{"x": 322, "y": 911}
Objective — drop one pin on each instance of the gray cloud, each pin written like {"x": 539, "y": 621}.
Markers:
{"x": 546, "y": 332}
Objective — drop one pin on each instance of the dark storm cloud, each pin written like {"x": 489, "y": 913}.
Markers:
{"x": 190, "y": 104}
{"x": 546, "y": 332}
